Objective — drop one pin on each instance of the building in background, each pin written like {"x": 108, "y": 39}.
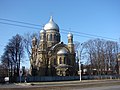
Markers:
{"x": 118, "y": 64}
{"x": 51, "y": 57}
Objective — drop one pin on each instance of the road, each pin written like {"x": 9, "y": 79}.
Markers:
{"x": 116, "y": 87}
{"x": 65, "y": 85}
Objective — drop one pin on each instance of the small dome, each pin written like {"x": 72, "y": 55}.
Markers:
{"x": 42, "y": 31}
{"x": 51, "y": 25}
{"x": 70, "y": 34}
{"x": 62, "y": 51}
{"x": 34, "y": 38}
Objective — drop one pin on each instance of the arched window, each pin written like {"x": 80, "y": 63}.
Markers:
{"x": 54, "y": 61}
{"x": 44, "y": 37}
{"x": 57, "y": 37}
{"x": 60, "y": 60}
{"x": 47, "y": 37}
{"x": 65, "y": 60}
{"x": 69, "y": 40}
{"x": 50, "y": 37}
{"x": 54, "y": 37}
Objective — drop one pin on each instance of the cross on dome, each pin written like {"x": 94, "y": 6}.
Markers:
{"x": 51, "y": 19}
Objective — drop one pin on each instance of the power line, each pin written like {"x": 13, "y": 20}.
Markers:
{"x": 87, "y": 34}
{"x": 74, "y": 32}
{"x": 19, "y": 25}
{"x": 78, "y": 35}
{"x": 20, "y": 22}
{"x": 39, "y": 28}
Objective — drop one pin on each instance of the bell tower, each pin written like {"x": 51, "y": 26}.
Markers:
{"x": 70, "y": 43}
{"x": 34, "y": 49}
{"x": 43, "y": 40}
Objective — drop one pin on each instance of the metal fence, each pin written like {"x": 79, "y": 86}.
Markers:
{"x": 64, "y": 78}
{"x": 46, "y": 78}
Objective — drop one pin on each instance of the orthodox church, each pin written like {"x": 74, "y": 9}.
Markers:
{"x": 51, "y": 57}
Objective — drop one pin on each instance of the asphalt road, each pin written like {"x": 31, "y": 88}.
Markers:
{"x": 65, "y": 85}
{"x": 116, "y": 87}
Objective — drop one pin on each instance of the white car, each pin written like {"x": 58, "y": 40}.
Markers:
{"x": 6, "y": 79}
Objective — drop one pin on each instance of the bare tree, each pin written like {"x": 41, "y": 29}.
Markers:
{"x": 4, "y": 67}
{"x": 28, "y": 42}
{"x": 32, "y": 52}
{"x": 79, "y": 50}
{"x": 13, "y": 54}
{"x": 77, "y": 46}
{"x": 102, "y": 55}
{"x": 112, "y": 49}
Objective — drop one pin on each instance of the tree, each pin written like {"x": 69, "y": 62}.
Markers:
{"x": 112, "y": 49}
{"x": 28, "y": 42}
{"x": 29, "y": 47}
{"x": 102, "y": 55}
{"x": 13, "y": 54}
{"x": 79, "y": 49}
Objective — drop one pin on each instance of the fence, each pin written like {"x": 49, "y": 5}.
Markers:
{"x": 64, "y": 78}
{"x": 47, "y": 78}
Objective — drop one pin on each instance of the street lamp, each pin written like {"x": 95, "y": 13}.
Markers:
{"x": 80, "y": 65}
{"x": 79, "y": 54}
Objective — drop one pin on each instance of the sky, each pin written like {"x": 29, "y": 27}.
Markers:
{"x": 94, "y": 17}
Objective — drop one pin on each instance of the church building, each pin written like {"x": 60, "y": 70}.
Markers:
{"x": 51, "y": 57}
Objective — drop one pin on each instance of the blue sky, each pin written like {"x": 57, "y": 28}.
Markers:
{"x": 96, "y": 17}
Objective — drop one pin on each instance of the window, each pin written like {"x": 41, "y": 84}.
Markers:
{"x": 60, "y": 60}
{"x": 65, "y": 60}
{"x": 54, "y": 61}
{"x": 54, "y": 37}
{"x": 47, "y": 37}
{"x": 50, "y": 37}
{"x": 69, "y": 40}
{"x": 57, "y": 37}
{"x": 44, "y": 37}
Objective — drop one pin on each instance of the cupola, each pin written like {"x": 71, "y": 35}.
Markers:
{"x": 51, "y": 25}
{"x": 62, "y": 51}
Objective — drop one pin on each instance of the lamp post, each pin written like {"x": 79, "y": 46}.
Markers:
{"x": 79, "y": 54}
{"x": 80, "y": 65}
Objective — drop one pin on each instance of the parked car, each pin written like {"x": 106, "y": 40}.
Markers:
{"x": 6, "y": 79}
